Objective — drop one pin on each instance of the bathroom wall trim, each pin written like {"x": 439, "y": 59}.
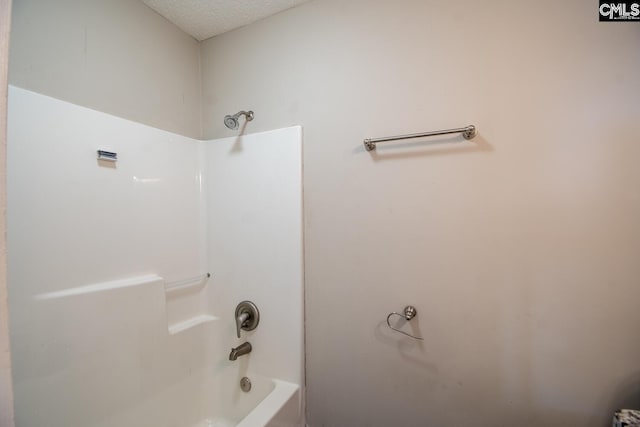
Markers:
{"x": 6, "y": 391}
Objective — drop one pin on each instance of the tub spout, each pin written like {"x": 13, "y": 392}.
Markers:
{"x": 244, "y": 348}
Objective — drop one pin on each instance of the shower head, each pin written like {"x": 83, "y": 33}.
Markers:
{"x": 232, "y": 121}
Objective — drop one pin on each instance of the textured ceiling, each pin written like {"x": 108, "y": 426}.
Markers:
{"x": 207, "y": 18}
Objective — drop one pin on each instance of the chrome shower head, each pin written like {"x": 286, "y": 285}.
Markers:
{"x": 232, "y": 121}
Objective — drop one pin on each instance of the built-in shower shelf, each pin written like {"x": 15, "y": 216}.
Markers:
{"x": 190, "y": 323}
{"x": 183, "y": 285}
{"x": 186, "y": 304}
{"x": 112, "y": 285}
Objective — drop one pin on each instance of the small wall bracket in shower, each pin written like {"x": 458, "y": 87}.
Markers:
{"x": 107, "y": 155}
{"x": 233, "y": 123}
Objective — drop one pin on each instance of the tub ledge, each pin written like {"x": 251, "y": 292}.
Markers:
{"x": 271, "y": 405}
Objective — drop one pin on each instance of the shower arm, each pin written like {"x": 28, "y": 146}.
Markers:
{"x": 232, "y": 122}
{"x": 247, "y": 114}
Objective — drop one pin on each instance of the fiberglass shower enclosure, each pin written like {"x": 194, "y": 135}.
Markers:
{"x": 114, "y": 321}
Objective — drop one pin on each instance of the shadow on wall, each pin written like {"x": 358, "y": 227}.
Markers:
{"x": 236, "y": 148}
{"x": 412, "y": 351}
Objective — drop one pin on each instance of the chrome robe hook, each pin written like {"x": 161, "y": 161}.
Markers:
{"x": 408, "y": 314}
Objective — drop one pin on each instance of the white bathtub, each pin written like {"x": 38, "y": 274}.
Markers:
{"x": 272, "y": 409}
{"x": 144, "y": 339}
{"x": 271, "y": 402}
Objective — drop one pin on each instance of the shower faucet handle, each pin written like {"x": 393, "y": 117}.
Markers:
{"x": 247, "y": 317}
{"x": 240, "y": 321}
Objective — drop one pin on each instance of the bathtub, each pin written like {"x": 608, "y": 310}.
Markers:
{"x": 143, "y": 338}
{"x": 270, "y": 402}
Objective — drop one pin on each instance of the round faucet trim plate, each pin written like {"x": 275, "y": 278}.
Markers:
{"x": 254, "y": 315}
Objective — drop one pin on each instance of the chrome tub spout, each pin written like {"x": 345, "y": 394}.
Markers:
{"x": 244, "y": 348}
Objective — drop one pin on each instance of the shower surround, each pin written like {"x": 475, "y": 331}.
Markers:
{"x": 114, "y": 321}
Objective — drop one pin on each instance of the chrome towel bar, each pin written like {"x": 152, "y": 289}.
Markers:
{"x": 468, "y": 132}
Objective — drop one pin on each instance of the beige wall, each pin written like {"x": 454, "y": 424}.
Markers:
{"x": 115, "y": 56}
{"x": 520, "y": 250}
{"x": 6, "y": 393}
